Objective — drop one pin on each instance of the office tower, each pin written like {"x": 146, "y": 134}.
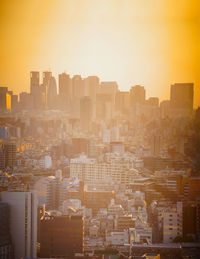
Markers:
{"x": 61, "y": 236}
{"x": 23, "y": 222}
{"x": 86, "y": 113}
{"x": 46, "y": 77}
{"x": 153, "y": 101}
{"x": 34, "y": 82}
{"x": 36, "y": 91}
{"x": 165, "y": 109}
{"x": 122, "y": 101}
{"x": 91, "y": 84}
{"x": 181, "y": 99}
{"x": 137, "y": 95}
{"x": 25, "y": 101}
{"x": 54, "y": 188}
{"x": 6, "y": 251}
{"x": 5, "y": 99}
{"x": 65, "y": 91}
{"x": 14, "y": 102}
{"x": 52, "y": 93}
{"x": 10, "y": 154}
{"x": 78, "y": 88}
{"x": 155, "y": 145}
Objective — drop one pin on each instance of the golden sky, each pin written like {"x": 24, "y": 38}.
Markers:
{"x": 150, "y": 42}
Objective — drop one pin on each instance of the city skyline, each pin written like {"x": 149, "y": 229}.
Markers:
{"x": 152, "y": 44}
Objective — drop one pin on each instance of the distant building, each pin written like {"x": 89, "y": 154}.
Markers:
{"x": 52, "y": 93}
{"x": 137, "y": 95}
{"x": 181, "y": 99}
{"x": 5, "y": 99}
{"x": 86, "y": 113}
{"x": 23, "y": 222}
{"x": 65, "y": 90}
{"x": 155, "y": 145}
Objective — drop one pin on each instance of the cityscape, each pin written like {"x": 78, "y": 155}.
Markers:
{"x": 99, "y": 129}
{"x": 93, "y": 171}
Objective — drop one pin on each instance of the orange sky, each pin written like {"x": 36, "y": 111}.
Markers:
{"x": 150, "y": 42}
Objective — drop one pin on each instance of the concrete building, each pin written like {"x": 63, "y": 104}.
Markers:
{"x": 23, "y": 222}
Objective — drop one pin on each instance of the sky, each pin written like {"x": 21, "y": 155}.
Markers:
{"x": 154, "y": 43}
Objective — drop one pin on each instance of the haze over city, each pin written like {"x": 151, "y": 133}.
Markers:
{"x": 152, "y": 43}
{"x": 99, "y": 129}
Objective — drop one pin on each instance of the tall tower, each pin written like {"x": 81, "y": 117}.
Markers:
{"x": 78, "y": 88}
{"x": 23, "y": 222}
{"x": 34, "y": 82}
{"x": 86, "y": 113}
{"x": 52, "y": 93}
{"x": 137, "y": 95}
{"x": 181, "y": 99}
{"x": 65, "y": 90}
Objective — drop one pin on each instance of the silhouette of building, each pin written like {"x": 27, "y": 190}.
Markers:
{"x": 78, "y": 88}
{"x": 86, "y": 113}
{"x": 5, "y": 99}
{"x": 137, "y": 95}
{"x": 181, "y": 99}
{"x": 52, "y": 93}
{"x": 36, "y": 90}
{"x": 65, "y": 91}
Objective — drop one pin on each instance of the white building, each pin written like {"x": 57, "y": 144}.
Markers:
{"x": 23, "y": 222}
{"x": 117, "y": 238}
{"x": 90, "y": 171}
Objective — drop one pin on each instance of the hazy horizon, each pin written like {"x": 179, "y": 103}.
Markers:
{"x": 154, "y": 44}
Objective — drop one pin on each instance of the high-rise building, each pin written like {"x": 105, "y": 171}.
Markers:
{"x": 65, "y": 90}
{"x": 91, "y": 84}
{"x": 52, "y": 93}
{"x": 122, "y": 101}
{"x": 23, "y": 222}
{"x": 137, "y": 95}
{"x": 46, "y": 77}
{"x": 36, "y": 90}
{"x": 155, "y": 145}
{"x": 153, "y": 101}
{"x": 61, "y": 236}
{"x": 5, "y": 99}
{"x": 34, "y": 81}
{"x": 78, "y": 87}
{"x": 86, "y": 113}
{"x": 181, "y": 99}
{"x": 25, "y": 101}
{"x": 6, "y": 251}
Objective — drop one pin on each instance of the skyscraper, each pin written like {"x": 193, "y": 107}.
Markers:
{"x": 36, "y": 90}
{"x": 65, "y": 90}
{"x": 137, "y": 95}
{"x": 78, "y": 88}
{"x": 52, "y": 93}
{"x": 86, "y": 113}
{"x": 181, "y": 99}
{"x": 34, "y": 82}
{"x": 5, "y": 99}
{"x": 23, "y": 222}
